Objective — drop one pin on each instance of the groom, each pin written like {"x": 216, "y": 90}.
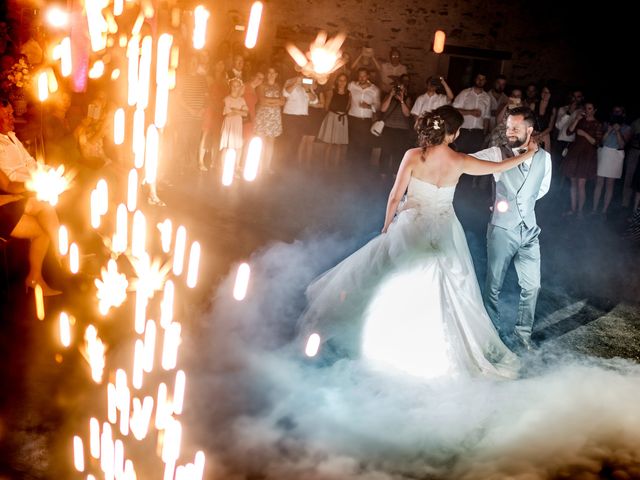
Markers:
{"x": 512, "y": 233}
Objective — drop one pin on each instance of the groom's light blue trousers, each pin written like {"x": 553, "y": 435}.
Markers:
{"x": 521, "y": 245}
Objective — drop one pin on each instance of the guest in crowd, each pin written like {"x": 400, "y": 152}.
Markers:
{"x": 396, "y": 111}
{"x": 298, "y": 93}
{"x": 269, "y": 116}
{"x": 432, "y": 99}
{"x": 365, "y": 100}
{"x": 545, "y": 113}
{"x": 334, "y": 131}
{"x": 234, "y": 110}
{"x": 581, "y": 162}
{"x": 611, "y": 157}
{"x": 631, "y": 162}
{"x": 212, "y": 123}
{"x": 475, "y": 106}
{"x": 391, "y": 71}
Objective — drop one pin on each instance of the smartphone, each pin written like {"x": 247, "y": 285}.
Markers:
{"x": 307, "y": 81}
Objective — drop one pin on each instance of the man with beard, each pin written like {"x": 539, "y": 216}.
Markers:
{"x": 513, "y": 233}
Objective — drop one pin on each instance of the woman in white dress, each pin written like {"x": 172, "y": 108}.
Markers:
{"x": 409, "y": 299}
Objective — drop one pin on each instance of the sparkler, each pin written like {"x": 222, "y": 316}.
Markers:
{"x": 74, "y": 258}
{"x": 48, "y": 183}
{"x": 78, "y": 453}
{"x": 120, "y": 235}
{"x": 94, "y": 349}
{"x": 178, "y": 392}
{"x": 166, "y": 307}
{"x": 65, "y": 330}
{"x": 178, "y": 250}
{"x": 323, "y": 57}
{"x": 118, "y": 126}
{"x": 65, "y": 57}
{"x": 194, "y": 259}
{"x": 165, "y": 234}
{"x": 63, "y": 240}
{"x": 112, "y": 289}
{"x": 229, "y": 167}
{"x": 132, "y": 190}
{"x": 254, "y": 25}
{"x": 94, "y": 438}
{"x": 200, "y": 17}
{"x": 253, "y": 159}
{"x": 138, "y": 235}
{"x": 242, "y": 282}
{"x": 43, "y": 86}
{"x": 97, "y": 70}
{"x": 149, "y": 345}
{"x": 170, "y": 346}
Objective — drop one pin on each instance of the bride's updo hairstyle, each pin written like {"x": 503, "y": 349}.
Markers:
{"x": 433, "y": 126}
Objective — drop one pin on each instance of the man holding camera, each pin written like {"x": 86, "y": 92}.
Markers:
{"x": 391, "y": 71}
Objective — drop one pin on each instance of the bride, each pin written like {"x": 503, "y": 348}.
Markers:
{"x": 409, "y": 299}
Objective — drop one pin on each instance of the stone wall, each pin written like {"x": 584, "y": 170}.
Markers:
{"x": 489, "y": 26}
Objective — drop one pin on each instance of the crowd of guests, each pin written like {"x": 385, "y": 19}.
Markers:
{"x": 361, "y": 118}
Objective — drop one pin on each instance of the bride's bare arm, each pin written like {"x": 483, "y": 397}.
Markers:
{"x": 474, "y": 166}
{"x": 399, "y": 187}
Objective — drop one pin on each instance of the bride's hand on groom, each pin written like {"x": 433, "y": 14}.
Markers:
{"x": 532, "y": 146}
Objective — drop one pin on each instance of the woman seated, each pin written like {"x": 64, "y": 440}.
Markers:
{"x": 28, "y": 218}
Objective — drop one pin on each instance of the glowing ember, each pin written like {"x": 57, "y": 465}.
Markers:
{"x": 138, "y": 365}
{"x": 141, "y": 417}
{"x": 138, "y": 234}
{"x": 166, "y": 306}
{"x": 502, "y": 206}
{"x": 65, "y": 57}
{"x": 39, "y": 301}
{"x": 63, "y": 240}
{"x": 194, "y": 260}
{"x": 112, "y": 407}
{"x": 150, "y": 275}
{"x": 141, "y": 310}
{"x": 161, "y": 407}
{"x": 132, "y": 190}
{"x": 253, "y": 159}
{"x": 254, "y": 25}
{"x": 178, "y": 392}
{"x": 151, "y": 155}
{"x": 78, "y": 453}
{"x": 229, "y": 167}
{"x": 118, "y": 459}
{"x": 165, "y": 234}
{"x": 242, "y": 282}
{"x": 97, "y": 70}
{"x": 118, "y": 126}
{"x": 94, "y": 351}
{"x": 106, "y": 451}
{"x": 56, "y": 17}
{"x": 200, "y": 18}
{"x": 115, "y": 73}
{"x": 178, "y": 250}
{"x": 144, "y": 73}
{"x": 65, "y": 330}
{"x": 149, "y": 345}
{"x": 199, "y": 466}
{"x": 43, "y": 86}
{"x": 313, "y": 344}
{"x": 120, "y": 236}
{"x": 133, "y": 52}
{"x": 138, "y": 138}
{"x": 74, "y": 258}
{"x": 170, "y": 346}
{"x": 112, "y": 289}
{"x": 118, "y": 7}
{"x": 94, "y": 438}
{"x": 97, "y": 24}
{"x": 48, "y": 183}
{"x": 172, "y": 439}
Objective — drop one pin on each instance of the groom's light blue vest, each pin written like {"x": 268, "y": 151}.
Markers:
{"x": 519, "y": 191}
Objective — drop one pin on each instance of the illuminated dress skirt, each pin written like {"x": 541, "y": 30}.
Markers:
{"x": 409, "y": 301}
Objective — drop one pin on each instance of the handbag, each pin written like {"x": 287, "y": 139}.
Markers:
{"x": 378, "y": 126}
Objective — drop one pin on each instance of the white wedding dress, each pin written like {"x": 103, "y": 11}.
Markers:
{"x": 409, "y": 299}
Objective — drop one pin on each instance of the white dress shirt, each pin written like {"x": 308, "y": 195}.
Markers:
{"x": 428, "y": 103}
{"x": 15, "y": 161}
{"x": 369, "y": 94}
{"x": 297, "y": 102}
{"x": 468, "y": 99}
{"x": 493, "y": 154}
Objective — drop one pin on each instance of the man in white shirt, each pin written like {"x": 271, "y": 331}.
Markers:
{"x": 391, "y": 71}
{"x": 498, "y": 99}
{"x": 431, "y": 99}
{"x": 513, "y": 230}
{"x": 475, "y": 106}
{"x": 295, "y": 114}
{"x": 365, "y": 101}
